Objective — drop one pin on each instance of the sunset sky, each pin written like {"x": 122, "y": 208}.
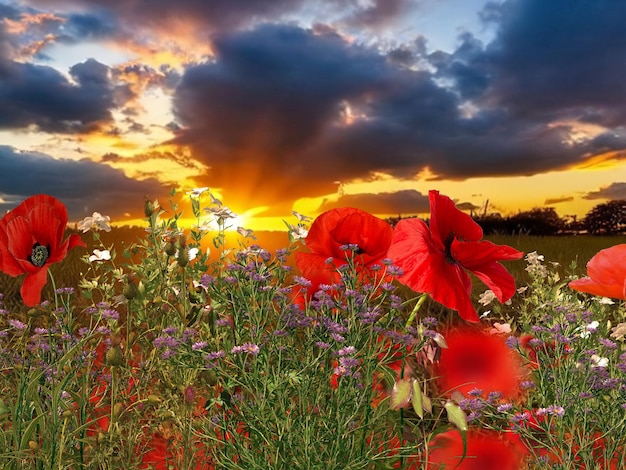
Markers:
{"x": 281, "y": 105}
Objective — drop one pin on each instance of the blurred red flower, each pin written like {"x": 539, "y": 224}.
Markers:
{"x": 475, "y": 359}
{"x": 328, "y": 237}
{"x": 435, "y": 259}
{"x": 606, "y": 274}
{"x": 486, "y": 450}
{"x": 31, "y": 239}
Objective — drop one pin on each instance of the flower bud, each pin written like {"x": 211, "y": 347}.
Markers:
{"x": 170, "y": 249}
{"x": 183, "y": 257}
{"x": 148, "y": 207}
{"x": 114, "y": 356}
{"x": 118, "y": 408}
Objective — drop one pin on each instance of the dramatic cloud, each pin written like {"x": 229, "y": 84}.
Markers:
{"x": 259, "y": 110}
{"x": 288, "y": 99}
{"x": 305, "y": 109}
{"x": 405, "y": 202}
{"x": 616, "y": 191}
{"x": 84, "y": 186}
{"x": 225, "y": 15}
{"x": 36, "y": 95}
{"x": 560, "y": 57}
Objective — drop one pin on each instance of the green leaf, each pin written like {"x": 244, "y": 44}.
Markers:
{"x": 427, "y": 404}
{"x": 401, "y": 394}
{"x": 456, "y": 415}
{"x": 416, "y": 400}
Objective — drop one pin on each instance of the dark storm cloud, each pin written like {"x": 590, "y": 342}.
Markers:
{"x": 285, "y": 112}
{"x": 89, "y": 26}
{"x": 226, "y": 15}
{"x": 273, "y": 98}
{"x": 269, "y": 96}
{"x": 83, "y": 186}
{"x": 615, "y": 191}
{"x": 378, "y": 13}
{"x": 41, "y": 96}
{"x": 403, "y": 202}
{"x": 561, "y": 56}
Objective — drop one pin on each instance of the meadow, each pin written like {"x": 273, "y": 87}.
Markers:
{"x": 294, "y": 351}
{"x": 571, "y": 252}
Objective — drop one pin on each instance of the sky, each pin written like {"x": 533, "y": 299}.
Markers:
{"x": 307, "y": 105}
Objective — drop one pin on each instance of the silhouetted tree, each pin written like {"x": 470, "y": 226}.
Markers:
{"x": 537, "y": 221}
{"x": 608, "y": 218}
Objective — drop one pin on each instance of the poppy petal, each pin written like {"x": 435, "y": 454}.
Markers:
{"x": 20, "y": 247}
{"x": 486, "y": 450}
{"x": 481, "y": 258}
{"x": 426, "y": 268}
{"x": 476, "y": 359}
{"x": 315, "y": 269}
{"x": 446, "y": 220}
{"x": 46, "y": 225}
{"x": 32, "y": 287}
{"x": 590, "y": 286}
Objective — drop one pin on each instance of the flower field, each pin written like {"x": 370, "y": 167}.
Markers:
{"x": 355, "y": 345}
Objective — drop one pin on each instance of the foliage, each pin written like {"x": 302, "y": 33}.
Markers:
{"x": 608, "y": 218}
{"x": 187, "y": 350}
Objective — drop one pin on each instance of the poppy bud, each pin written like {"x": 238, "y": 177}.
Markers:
{"x": 170, "y": 248}
{"x": 118, "y": 408}
{"x": 183, "y": 257}
{"x": 115, "y": 356}
{"x": 148, "y": 207}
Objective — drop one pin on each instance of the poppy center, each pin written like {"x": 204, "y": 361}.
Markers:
{"x": 39, "y": 255}
{"x": 448, "y": 248}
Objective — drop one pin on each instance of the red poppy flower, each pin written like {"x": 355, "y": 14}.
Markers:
{"x": 435, "y": 259}
{"x": 476, "y": 359}
{"x": 31, "y": 239}
{"x": 328, "y": 236}
{"x": 486, "y": 450}
{"x": 606, "y": 274}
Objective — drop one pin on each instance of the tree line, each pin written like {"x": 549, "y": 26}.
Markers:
{"x": 607, "y": 218}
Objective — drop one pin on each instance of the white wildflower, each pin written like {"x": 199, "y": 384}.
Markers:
{"x": 487, "y": 297}
{"x": 598, "y": 361}
{"x": 297, "y": 232}
{"x": 246, "y": 233}
{"x": 197, "y": 192}
{"x": 100, "y": 255}
{"x": 619, "y": 331}
{"x": 590, "y": 328}
{"x": 300, "y": 217}
{"x": 97, "y": 221}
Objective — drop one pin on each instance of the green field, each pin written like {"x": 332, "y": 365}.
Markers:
{"x": 560, "y": 249}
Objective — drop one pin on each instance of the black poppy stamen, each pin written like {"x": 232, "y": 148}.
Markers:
{"x": 39, "y": 255}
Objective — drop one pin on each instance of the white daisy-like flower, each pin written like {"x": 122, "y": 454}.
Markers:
{"x": 100, "y": 255}
{"x": 487, "y": 297}
{"x": 97, "y": 221}
{"x": 197, "y": 192}
{"x": 598, "y": 361}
